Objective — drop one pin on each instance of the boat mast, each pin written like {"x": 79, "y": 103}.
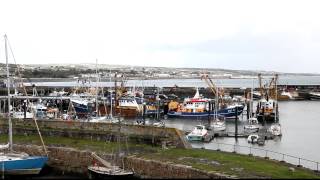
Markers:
{"x": 276, "y": 98}
{"x": 97, "y": 79}
{"x": 110, "y": 94}
{"x": 8, "y": 86}
{"x": 251, "y": 102}
{"x": 216, "y": 104}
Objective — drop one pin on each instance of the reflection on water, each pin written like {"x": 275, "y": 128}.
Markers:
{"x": 300, "y": 123}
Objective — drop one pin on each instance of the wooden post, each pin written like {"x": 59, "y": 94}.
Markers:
{"x": 236, "y": 123}
{"x": 144, "y": 114}
{"x": 24, "y": 110}
{"x": 248, "y": 110}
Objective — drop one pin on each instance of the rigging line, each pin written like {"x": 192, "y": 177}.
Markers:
{"x": 28, "y": 101}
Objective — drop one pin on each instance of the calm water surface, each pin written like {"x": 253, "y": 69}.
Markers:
{"x": 300, "y": 122}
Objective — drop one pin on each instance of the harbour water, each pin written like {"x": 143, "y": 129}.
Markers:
{"x": 300, "y": 128}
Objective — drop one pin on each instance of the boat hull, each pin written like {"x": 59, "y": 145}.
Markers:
{"x": 314, "y": 97}
{"x": 266, "y": 117}
{"x": 227, "y": 113}
{"x": 81, "y": 109}
{"x": 97, "y": 173}
{"x": 25, "y": 166}
{"x": 195, "y": 138}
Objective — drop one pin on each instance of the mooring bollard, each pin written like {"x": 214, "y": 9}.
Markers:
{"x": 266, "y": 156}
{"x": 282, "y": 158}
{"x": 299, "y": 163}
{"x": 250, "y": 154}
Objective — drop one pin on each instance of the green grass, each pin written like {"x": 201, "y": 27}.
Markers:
{"x": 242, "y": 166}
{"x": 81, "y": 144}
{"x": 252, "y": 167}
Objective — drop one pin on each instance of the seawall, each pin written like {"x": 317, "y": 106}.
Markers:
{"x": 99, "y": 131}
{"x": 69, "y": 160}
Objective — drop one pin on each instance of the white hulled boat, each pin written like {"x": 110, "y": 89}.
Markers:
{"x": 275, "y": 129}
{"x": 252, "y": 126}
{"x": 199, "y": 133}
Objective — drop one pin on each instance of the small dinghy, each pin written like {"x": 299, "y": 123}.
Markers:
{"x": 275, "y": 129}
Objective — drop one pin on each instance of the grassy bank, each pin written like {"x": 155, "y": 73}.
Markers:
{"x": 228, "y": 163}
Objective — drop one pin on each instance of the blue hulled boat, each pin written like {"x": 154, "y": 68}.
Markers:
{"x": 198, "y": 107}
{"x": 22, "y": 164}
{"x": 18, "y": 163}
{"x": 229, "y": 112}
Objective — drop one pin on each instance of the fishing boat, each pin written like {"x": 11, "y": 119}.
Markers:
{"x": 152, "y": 110}
{"x": 199, "y": 133}
{"x": 314, "y": 95}
{"x": 81, "y": 106}
{"x": 18, "y": 163}
{"x": 198, "y": 107}
{"x": 285, "y": 95}
{"x": 266, "y": 110}
{"x": 128, "y": 107}
{"x": 267, "y": 107}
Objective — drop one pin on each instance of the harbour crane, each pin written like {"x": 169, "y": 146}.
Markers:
{"x": 218, "y": 92}
{"x": 260, "y": 85}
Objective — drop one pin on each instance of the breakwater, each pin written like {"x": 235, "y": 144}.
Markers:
{"x": 100, "y": 131}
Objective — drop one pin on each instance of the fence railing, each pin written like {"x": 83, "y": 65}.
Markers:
{"x": 267, "y": 154}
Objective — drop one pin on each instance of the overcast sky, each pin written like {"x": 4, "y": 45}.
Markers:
{"x": 257, "y": 35}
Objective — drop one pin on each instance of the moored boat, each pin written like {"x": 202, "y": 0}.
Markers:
{"x": 101, "y": 172}
{"x": 266, "y": 110}
{"x": 22, "y": 164}
{"x": 18, "y": 163}
{"x": 198, "y": 107}
{"x": 275, "y": 129}
{"x": 199, "y": 133}
{"x": 314, "y": 95}
{"x": 219, "y": 125}
{"x": 252, "y": 126}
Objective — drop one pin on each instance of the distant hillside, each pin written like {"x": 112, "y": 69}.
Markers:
{"x": 78, "y": 70}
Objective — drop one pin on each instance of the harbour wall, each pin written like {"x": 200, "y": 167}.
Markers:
{"x": 69, "y": 160}
{"x": 302, "y": 90}
{"x": 100, "y": 131}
